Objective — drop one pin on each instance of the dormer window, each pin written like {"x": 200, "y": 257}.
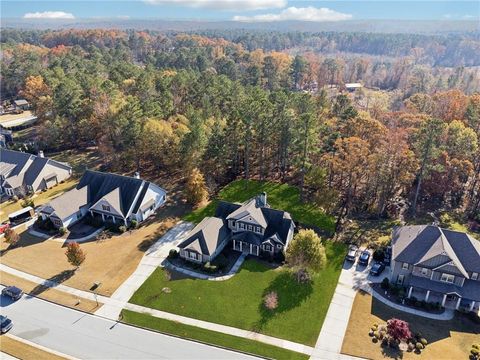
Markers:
{"x": 106, "y": 207}
{"x": 474, "y": 276}
{"x": 424, "y": 271}
{"x": 447, "y": 278}
{"x": 405, "y": 266}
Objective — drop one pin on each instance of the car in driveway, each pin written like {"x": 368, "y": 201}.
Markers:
{"x": 352, "y": 253}
{"x": 5, "y": 324}
{"x": 3, "y": 227}
{"x": 364, "y": 257}
{"x": 377, "y": 269}
{"x": 12, "y": 292}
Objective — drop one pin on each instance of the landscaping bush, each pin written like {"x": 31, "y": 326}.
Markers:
{"x": 419, "y": 346}
{"x": 445, "y": 220}
{"x": 14, "y": 198}
{"x": 27, "y": 202}
{"x": 133, "y": 224}
{"x": 270, "y": 301}
{"x": 122, "y": 229}
{"x": 209, "y": 268}
{"x": 62, "y": 231}
{"x": 303, "y": 276}
{"x": 378, "y": 255}
{"x": 411, "y": 347}
{"x": 385, "y": 284}
{"x": 221, "y": 261}
{"x": 173, "y": 254}
{"x": 424, "y": 341}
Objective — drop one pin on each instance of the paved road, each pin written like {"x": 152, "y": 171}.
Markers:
{"x": 88, "y": 336}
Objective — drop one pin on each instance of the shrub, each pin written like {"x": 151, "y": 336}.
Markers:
{"x": 445, "y": 220}
{"x": 11, "y": 237}
{"x": 398, "y": 329}
{"x": 303, "y": 276}
{"x": 14, "y": 198}
{"x": 173, "y": 254}
{"x": 424, "y": 341}
{"x": 374, "y": 327}
{"x": 378, "y": 255}
{"x": 221, "y": 261}
{"x": 62, "y": 231}
{"x": 385, "y": 284}
{"x": 75, "y": 254}
{"x": 270, "y": 301}
{"x": 419, "y": 346}
{"x": 122, "y": 229}
{"x": 133, "y": 224}
{"x": 411, "y": 347}
{"x": 27, "y": 202}
{"x": 209, "y": 268}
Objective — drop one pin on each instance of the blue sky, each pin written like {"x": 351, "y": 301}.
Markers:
{"x": 245, "y": 10}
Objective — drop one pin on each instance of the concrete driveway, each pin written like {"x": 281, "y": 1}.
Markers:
{"x": 86, "y": 336}
{"x": 152, "y": 259}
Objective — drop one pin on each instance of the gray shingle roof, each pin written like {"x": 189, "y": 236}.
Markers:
{"x": 68, "y": 203}
{"x": 420, "y": 243}
{"x": 17, "y": 158}
{"x": 206, "y": 236}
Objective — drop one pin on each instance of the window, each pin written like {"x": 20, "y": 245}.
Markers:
{"x": 424, "y": 271}
{"x": 241, "y": 226}
{"x": 447, "y": 278}
{"x": 250, "y": 227}
{"x": 405, "y": 266}
{"x": 106, "y": 207}
{"x": 279, "y": 246}
{"x": 192, "y": 255}
{"x": 258, "y": 230}
{"x": 267, "y": 247}
{"x": 474, "y": 276}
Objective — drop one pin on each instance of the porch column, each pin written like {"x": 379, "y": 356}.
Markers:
{"x": 103, "y": 217}
{"x": 234, "y": 245}
{"x": 444, "y": 299}
{"x": 458, "y": 303}
{"x": 410, "y": 292}
{"x": 125, "y": 222}
{"x": 427, "y": 295}
{"x": 113, "y": 219}
{"x": 241, "y": 245}
{"x": 472, "y": 305}
{"x": 251, "y": 251}
{"x": 91, "y": 213}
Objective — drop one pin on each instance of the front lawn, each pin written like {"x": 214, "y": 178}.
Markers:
{"x": 451, "y": 339}
{"x": 210, "y": 337}
{"x": 237, "y": 302}
{"x": 279, "y": 196}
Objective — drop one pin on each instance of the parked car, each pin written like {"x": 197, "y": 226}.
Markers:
{"x": 352, "y": 253}
{"x": 364, "y": 257}
{"x": 5, "y": 324}
{"x": 4, "y": 227}
{"x": 12, "y": 292}
{"x": 377, "y": 269}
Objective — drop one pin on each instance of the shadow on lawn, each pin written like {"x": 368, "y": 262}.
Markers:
{"x": 56, "y": 279}
{"x": 290, "y": 295}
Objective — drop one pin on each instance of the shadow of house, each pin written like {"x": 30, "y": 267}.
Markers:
{"x": 290, "y": 295}
{"x": 52, "y": 282}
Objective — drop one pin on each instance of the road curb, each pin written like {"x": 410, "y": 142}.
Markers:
{"x": 43, "y": 348}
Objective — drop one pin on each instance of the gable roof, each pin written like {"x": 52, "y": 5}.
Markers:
{"x": 10, "y": 158}
{"x": 67, "y": 204}
{"x": 251, "y": 208}
{"x": 206, "y": 236}
{"x": 419, "y": 243}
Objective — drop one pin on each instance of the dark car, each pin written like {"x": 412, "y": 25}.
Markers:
{"x": 364, "y": 257}
{"x": 5, "y": 324}
{"x": 12, "y": 292}
{"x": 377, "y": 269}
{"x": 352, "y": 253}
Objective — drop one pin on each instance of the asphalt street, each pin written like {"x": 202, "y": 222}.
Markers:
{"x": 86, "y": 336}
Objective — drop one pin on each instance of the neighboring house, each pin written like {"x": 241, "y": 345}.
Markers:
{"x": 437, "y": 265}
{"x": 109, "y": 197}
{"x": 351, "y": 87}
{"x": 22, "y": 173}
{"x": 252, "y": 227}
{"x": 21, "y": 104}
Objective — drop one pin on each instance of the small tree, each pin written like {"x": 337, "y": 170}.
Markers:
{"x": 196, "y": 190}
{"x": 270, "y": 301}
{"x": 306, "y": 251}
{"x": 398, "y": 330}
{"x": 75, "y": 254}
{"x": 11, "y": 237}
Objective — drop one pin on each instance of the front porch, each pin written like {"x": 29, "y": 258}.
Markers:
{"x": 451, "y": 300}
{"x": 245, "y": 247}
{"x": 107, "y": 218}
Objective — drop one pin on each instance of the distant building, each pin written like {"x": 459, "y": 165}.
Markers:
{"x": 110, "y": 197}
{"x": 21, "y": 104}
{"x": 351, "y": 87}
{"x": 22, "y": 173}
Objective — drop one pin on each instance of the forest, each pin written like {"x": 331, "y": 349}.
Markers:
{"x": 266, "y": 105}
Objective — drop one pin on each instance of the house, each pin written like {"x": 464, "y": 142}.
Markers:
{"x": 107, "y": 197}
{"x": 252, "y": 227}
{"x": 437, "y": 265}
{"x": 22, "y": 173}
{"x": 351, "y": 87}
{"x": 21, "y": 104}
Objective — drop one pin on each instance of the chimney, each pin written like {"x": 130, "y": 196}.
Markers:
{"x": 263, "y": 199}
{"x": 136, "y": 175}
{"x": 40, "y": 154}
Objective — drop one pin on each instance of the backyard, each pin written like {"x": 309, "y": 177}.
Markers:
{"x": 237, "y": 302}
{"x": 451, "y": 339}
{"x": 279, "y": 196}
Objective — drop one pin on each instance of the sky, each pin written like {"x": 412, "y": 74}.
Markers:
{"x": 244, "y": 10}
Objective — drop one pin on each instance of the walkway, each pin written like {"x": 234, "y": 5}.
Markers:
{"x": 151, "y": 260}
{"x": 198, "y": 275}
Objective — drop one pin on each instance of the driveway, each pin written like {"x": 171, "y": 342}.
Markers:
{"x": 86, "y": 336}
{"x": 152, "y": 259}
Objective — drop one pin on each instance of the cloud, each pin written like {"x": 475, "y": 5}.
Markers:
{"x": 49, "y": 15}
{"x": 301, "y": 14}
{"x": 243, "y": 5}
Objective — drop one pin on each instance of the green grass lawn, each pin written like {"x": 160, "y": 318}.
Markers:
{"x": 279, "y": 196}
{"x": 237, "y": 302}
{"x": 210, "y": 337}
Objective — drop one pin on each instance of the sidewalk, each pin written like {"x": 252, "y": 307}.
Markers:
{"x": 151, "y": 260}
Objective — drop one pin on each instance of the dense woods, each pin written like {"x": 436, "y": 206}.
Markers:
{"x": 267, "y": 106}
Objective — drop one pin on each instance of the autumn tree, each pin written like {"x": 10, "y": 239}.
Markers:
{"x": 75, "y": 255}
{"x": 398, "y": 330}
{"x": 196, "y": 190}
{"x": 306, "y": 251}
{"x": 11, "y": 237}
{"x": 39, "y": 94}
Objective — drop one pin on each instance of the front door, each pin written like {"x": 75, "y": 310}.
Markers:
{"x": 400, "y": 279}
